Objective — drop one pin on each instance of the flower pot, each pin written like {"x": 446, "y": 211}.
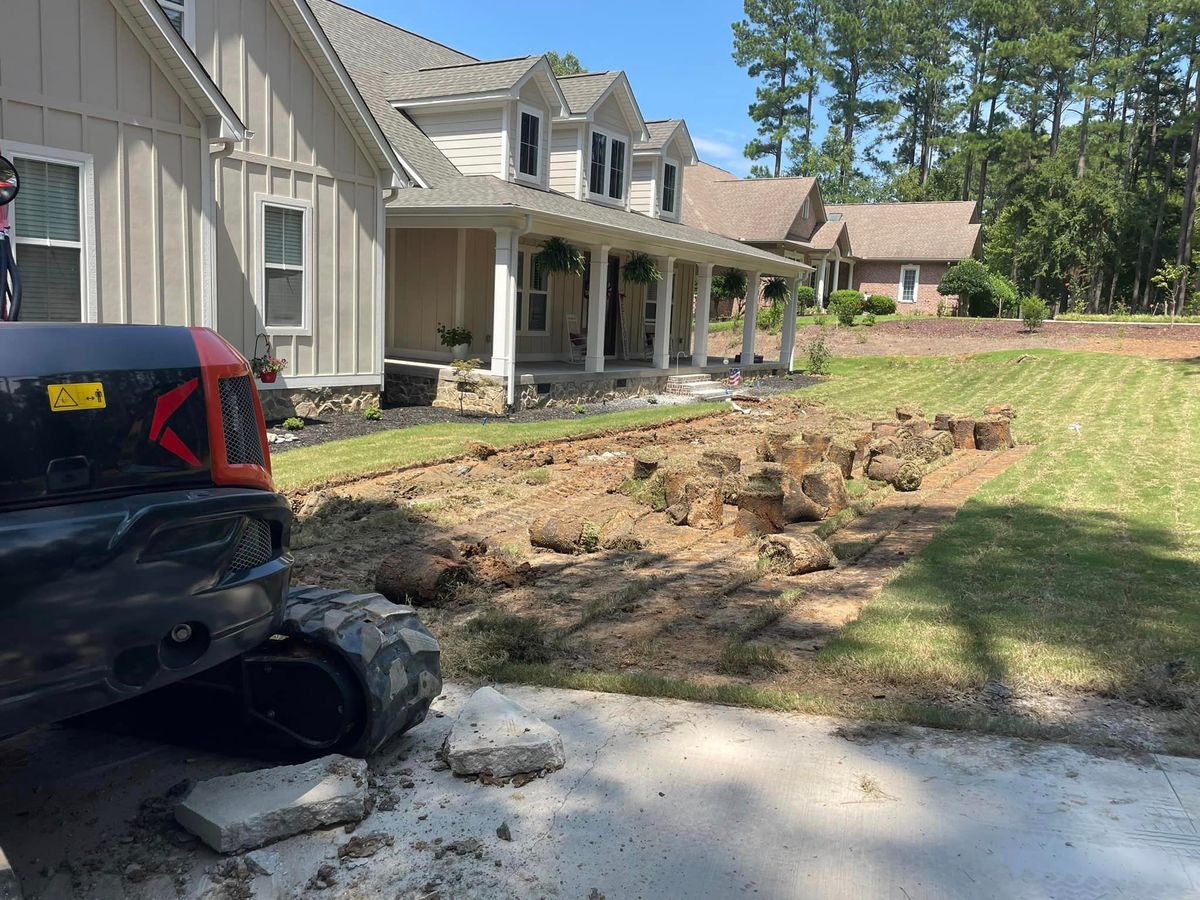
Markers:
{"x": 267, "y": 377}
{"x": 460, "y": 351}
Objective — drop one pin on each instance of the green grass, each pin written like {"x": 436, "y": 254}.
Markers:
{"x": 804, "y": 321}
{"x": 1138, "y": 317}
{"x": 399, "y": 447}
{"x": 1077, "y": 567}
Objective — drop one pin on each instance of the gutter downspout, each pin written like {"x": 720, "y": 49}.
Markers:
{"x": 511, "y": 374}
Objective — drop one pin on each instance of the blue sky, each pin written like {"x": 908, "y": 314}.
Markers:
{"x": 677, "y": 56}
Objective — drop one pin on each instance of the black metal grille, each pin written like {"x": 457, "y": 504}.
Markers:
{"x": 253, "y": 547}
{"x": 243, "y": 444}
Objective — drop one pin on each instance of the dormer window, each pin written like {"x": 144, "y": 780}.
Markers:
{"x": 616, "y": 171}
{"x": 670, "y": 182}
{"x": 598, "y": 169}
{"x": 531, "y": 144}
{"x": 606, "y": 172}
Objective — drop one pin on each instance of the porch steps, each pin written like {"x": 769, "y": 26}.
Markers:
{"x": 700, "y": 386}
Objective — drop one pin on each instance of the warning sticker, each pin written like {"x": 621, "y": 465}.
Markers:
{"x": 70, "y": 397}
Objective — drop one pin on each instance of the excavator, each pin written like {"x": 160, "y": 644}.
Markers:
{"x": 144, "y": 550}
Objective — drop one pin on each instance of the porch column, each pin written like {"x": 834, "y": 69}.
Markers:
{"x": 750, "y": 323}
{"x": 703, "y": 308}
{"x": 787, "y": 345}
{"x": 597, "y": 308}
{"x": 662, "y": 321}
{"x": 504, "y": 310}
{"x": 850, "y": 274}
{"x": 837, "y": 268}
{"x": 821, "y": 282}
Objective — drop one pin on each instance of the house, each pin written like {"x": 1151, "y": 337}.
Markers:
{"x": 299, "y": 173}
{"x": 201, "y": 164}
{"x": 900, "y": 250}
{"x": 507, "y": 157}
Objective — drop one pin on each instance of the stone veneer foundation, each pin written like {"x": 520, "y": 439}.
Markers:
{"x": 312, "y": 403}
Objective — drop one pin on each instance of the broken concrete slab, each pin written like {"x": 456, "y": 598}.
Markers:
{"x": 496, "y": 734}
{"x": 246, "y": 811}
{"x": 10, "y": 886}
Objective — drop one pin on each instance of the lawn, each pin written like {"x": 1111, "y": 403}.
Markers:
{"x": 1077, "y": 568}
{"x": 399, "y": 447}
{"x": 826, "y": 318}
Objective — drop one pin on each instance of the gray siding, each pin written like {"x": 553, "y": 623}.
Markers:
{"x": 86, "y": 85}
{"x": 565, "y": 160}
{"x": 303, "y": 149}
{"x": 642, "y": 186}
{"x": 470, "y": 138}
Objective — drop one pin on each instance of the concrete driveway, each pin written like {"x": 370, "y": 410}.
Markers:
{"x": 658, "y": 799}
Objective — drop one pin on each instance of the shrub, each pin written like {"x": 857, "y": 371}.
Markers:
{"x": 818, "y": 356}
{"x": 372, "y": 413}
{"x": 821, "y": 320}
{"x": 881, "y": 305}
{"x": 846, "y": 305}
{"x": 806, "y": 297}
{"x": 293, "y": 423}
{"x": 578, "y": 409}
{"x": 771, "y": 318}
{"x": 1033, "y": 312}
{"x": 869, "y": 319}
{"x": 974, "y": 286}
{"x": 942, "y": 309}
{"x": 453, "y": 336}
{"x": 729, "y": 285}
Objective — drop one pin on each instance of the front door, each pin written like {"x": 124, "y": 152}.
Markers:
{"x": 612, "y": 315}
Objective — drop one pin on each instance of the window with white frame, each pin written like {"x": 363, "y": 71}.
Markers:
{"x": 616, "y": 170}
{"x": 599, "y": 167}
{"x": 47, "y": 232}
{"x": 910, "y": 278}
{"x": 176, "y": 12}
{"x": 533, "y": 295}
{"x": 806, "y": 208}
{"x": 670, "y": 186}
{"x": 529, "y": 154}
{"x": 285, "y": 273}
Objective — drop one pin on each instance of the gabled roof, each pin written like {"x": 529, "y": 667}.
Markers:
{"x": 934, "y": 230}
{"x": 662, "y": 132}
{"x": 494, "y": 78}
{"x": 830, "y": 234}
{"x": 759, "y": 210}
{"x": 473, "y": 195}
{"x": 372, "y": 50}
{"x": 586, "y": 93}
{"x": 148, "y": 22}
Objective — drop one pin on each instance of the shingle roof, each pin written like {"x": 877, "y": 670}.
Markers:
{"x": 371, "y": 50}
{"x": 660, "y": 133}
{"x": 582, "y": 91}
{"x": 465, "y": 78}
{"x": 827, "y": 235}
{"x": 488, "y": 193}
{"x": 746, "y": 209}
{"x": 945, "y": 230}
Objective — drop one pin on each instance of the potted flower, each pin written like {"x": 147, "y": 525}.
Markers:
{"x": 456, "y": 338}
{"x": 267, "y": 367}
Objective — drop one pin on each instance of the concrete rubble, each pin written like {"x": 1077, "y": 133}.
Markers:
{"x": 495, "y": 734}
{"x": 246, "y": 811}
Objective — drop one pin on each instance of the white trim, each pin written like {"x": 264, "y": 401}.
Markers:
{"x": 187, "y": 12}
{"x": 543, "y": 67}
{"x": 89, "y": 295}
{"x": 672, "y": 214}
{"x": 261, "y": 201}
{"x": 916, "y": 284}
{"x": 580, "y": 160}
{"x": 525, "y": 287}
{"x": 505, "y": 143}
{"x": 312, "y": 381}
{"x": 208, "y": 230}
{"x": 524, "y": 109}
{"x": 379, "y": 326}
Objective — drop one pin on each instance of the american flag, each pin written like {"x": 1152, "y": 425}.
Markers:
{"x": 735, "y": 377}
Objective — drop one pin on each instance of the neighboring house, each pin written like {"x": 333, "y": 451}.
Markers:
{"x": 506, "y": 157}
{"x": 901, "y": 250}
{"x": 200, "y": 164}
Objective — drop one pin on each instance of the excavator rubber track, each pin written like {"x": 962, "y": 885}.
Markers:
{"x": 394, "y": 658}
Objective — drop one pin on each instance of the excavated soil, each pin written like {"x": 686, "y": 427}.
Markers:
{"x": 670, "y": 608}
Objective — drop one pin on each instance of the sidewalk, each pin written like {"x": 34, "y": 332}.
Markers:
{"x": 659, "y": 799}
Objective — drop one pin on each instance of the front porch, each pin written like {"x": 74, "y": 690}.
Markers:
{"x": 539, "y": 337}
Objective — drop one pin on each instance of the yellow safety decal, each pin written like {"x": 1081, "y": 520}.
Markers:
{"x": 71, "y": 397}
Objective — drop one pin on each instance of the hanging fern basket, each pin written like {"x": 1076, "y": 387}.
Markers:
{"x": 558, "y": 255}
{"x": 640, "y": 269}
{"x": 775, "y": 290}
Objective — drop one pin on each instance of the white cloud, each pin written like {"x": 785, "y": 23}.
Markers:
{"x": 722, "y": 153}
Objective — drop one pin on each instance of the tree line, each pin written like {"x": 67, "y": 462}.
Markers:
{"x": 1076, "y": 126}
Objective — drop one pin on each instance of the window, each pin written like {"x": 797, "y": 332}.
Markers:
{"x": 806, "y": 208}
{"x": 670, "y": 177}
{"x": 598, "y": 168}
{"x": 616, "y": 170}
{"x": 176, "y": 12}
{"x": 48, "y": 238}
{"x": 910, "y": 277}
{"x": 532, "y": 317}
{"x": 530, "y": 152}
{"x": 285, "y": 289}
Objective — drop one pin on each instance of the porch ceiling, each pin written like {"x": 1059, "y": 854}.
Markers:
{"x": 485, "y": 201}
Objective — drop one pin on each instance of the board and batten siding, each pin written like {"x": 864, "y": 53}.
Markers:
{"x": 303, "y": 149}
{"x": 565, "y": 160}
{"x": 75, "y": 78}
{"x": 470, "y": 138}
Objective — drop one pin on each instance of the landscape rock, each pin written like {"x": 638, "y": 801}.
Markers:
{"x": 902, "y": 474}
{"x": 997, "y": 692}
{"x": 798, "y": 554}
{"x": 497, "y": 735}
{"x": 825, "y": 486}
{"x": 364, "y": 846}
{"x": 246, "y": 811}
{"x": 963, "y": 432}
{"x": 420, "y": 573}
{"x": 993, "y": 433}
{"x": 562, "y": 534}
{"x": 10, "y": 886}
